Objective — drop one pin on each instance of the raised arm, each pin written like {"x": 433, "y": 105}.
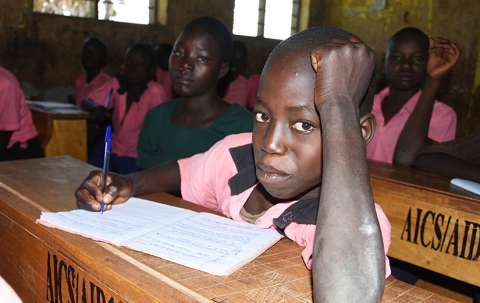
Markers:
{"x": 443, "y": 55}
{"x": 348, "y": 258}
{"x": 165, "y": 178}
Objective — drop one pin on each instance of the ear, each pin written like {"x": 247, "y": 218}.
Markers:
{"x": 223, "y": 70}
{"x": 368, "y": 123}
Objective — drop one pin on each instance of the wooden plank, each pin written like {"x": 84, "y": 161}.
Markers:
{"x": 434, "y": 224}
{"x": 43, "y": 264}
{"x": 69, "y": 137}
{"x": 62, "y": 133}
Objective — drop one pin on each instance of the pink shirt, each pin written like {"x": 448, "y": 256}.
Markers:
{"x": 254, "y": 83}
{"x": 382, "y": 147}
{"x": 238, "y": 91}
{"x": 163, "y": 78}
{"x": 82, "y": 89}
{"x": 126, "y": 126}
{"x": 205, "y": 181}
{"x": 7, "y": 293}
{"x": 14, "y": 113}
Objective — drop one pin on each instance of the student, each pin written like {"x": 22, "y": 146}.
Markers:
{"x": 18, "y": 135}
{"x": 306, "y": 152}
{"x": 234, "y": 88}
{"x": 8, "y": 293}
{"x": 133, "y": 94}
{"x": 413, "y": 71}
{"x": 162, "y": 55}
{"x": 94, "y": 59}
{"x": 198, "y": 119}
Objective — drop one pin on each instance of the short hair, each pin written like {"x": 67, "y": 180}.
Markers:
{"x": 409, "y": 32}
{"x": 219, "y": 32}
{"x": 145, "y": 49}
{"x": 98, "y": 43}
{"x": 305, "y": 41}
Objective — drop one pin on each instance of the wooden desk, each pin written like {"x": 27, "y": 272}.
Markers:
{"x": 435, "y": 225}
{"x": 49, "y": 265}
{"x": 61, "y": 131}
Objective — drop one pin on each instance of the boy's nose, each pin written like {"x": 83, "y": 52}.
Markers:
{"x": 274, "y": 141}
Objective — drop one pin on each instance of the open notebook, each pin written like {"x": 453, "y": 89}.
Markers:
{"x": 202, "y": 241}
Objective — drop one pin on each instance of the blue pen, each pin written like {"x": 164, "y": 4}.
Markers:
{"x": 106, "y": 161}
{"x": 107, "y": 103}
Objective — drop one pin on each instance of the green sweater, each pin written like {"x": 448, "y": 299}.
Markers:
{"x": 160, "y": 141}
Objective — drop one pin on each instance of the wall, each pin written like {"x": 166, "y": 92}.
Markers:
{"x": 43, "y": 51}
{"x": 375, "y": 21}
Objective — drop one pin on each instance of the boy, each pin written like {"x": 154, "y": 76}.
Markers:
{"x": 18, "y": 135}
{"x": 313, "y": 93}
{"x": 412, "y": 62}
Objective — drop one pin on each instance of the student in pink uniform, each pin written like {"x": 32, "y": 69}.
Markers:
{"x": 303, "y": 171}
{"x": 413, "y": 74}
{"x": 18, "y": 135}
{"x": 162, "y": 76}
{"x": 234, "y": 87}
{"x": 133, "y": 94}
{"x": 94, "y": 59}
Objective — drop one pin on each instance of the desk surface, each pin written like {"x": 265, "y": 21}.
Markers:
{"x": 47, "y": 263}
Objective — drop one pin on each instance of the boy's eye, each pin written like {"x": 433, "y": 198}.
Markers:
{"x": 419, "y": 58}
{"x": 394, "y": 57}
{"x": 261, "y": 117}
{"x": 303, "y": 126}
{"x": 177, "y": 53}
{"x": 201, "y": 58}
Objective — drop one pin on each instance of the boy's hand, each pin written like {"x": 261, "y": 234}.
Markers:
{"x": 443, "y": 55}
{"x": 344, "y": 68}
{"x": 89, "y": 194}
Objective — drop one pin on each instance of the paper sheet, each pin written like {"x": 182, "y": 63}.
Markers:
{"x": 203, "y": 241}
{"x": 471, "y": 186}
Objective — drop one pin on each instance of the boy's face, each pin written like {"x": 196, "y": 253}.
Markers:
{"x": 406, "y": 63}
{"x": 195, "y": 64}
{"x": 286, "y": 133}
{"x": 138, "y": 67}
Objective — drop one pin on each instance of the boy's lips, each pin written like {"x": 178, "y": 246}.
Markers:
{"x": 270, "y": 175}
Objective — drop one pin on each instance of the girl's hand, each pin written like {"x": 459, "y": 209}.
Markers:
{"x": 89, "y": 194}
{"x": 344, "y": 68}
{"x": 443, "y": 55}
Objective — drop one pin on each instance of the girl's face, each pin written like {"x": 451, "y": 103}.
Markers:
{"x": 92, "y": 57}
{"x": 137, "y": 67}
{"x": 195, "y": 63}
{"x": 287, "y": 140}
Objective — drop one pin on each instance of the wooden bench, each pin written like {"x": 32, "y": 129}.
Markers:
{"x": 435, "y": 225}
{"x": 48, "y": 265}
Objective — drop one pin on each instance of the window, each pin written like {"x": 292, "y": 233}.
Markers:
{"x": 274, "y": 19}
{"x": 130, "y": 11}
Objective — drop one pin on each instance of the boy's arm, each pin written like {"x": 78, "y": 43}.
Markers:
{"x": 165, "y": 178}
{"x": 443, "y": 55}
{"x": 348, "y": 262}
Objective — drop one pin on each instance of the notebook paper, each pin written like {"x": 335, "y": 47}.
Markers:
{"x": 203, "y": 241}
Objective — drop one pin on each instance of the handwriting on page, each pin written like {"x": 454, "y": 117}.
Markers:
{"x": 205, "y": 242}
